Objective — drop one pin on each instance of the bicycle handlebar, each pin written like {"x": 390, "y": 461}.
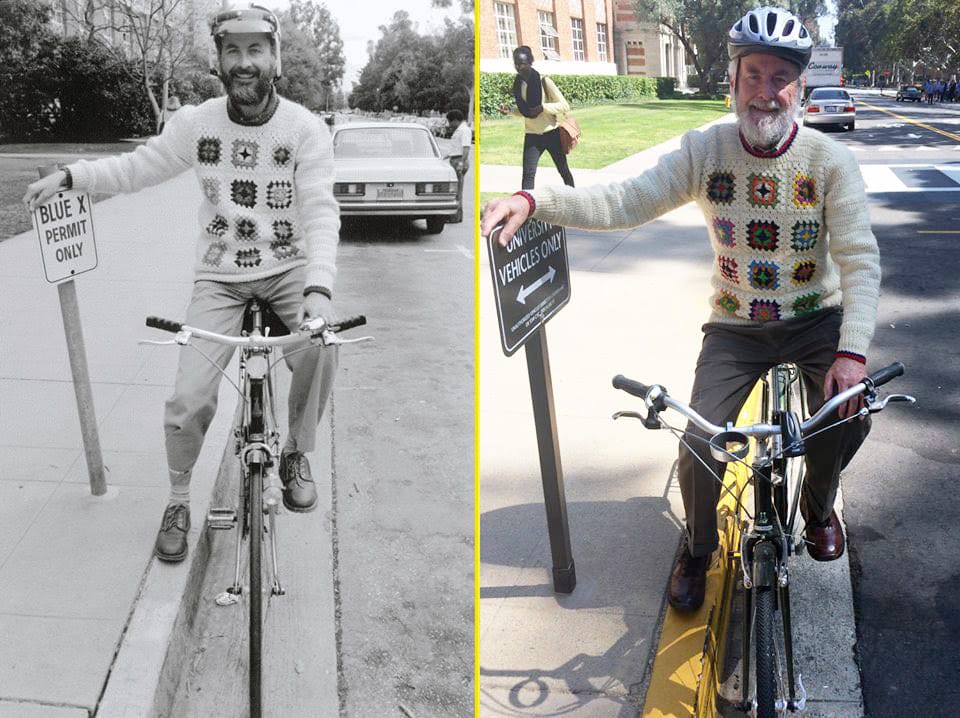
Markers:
{"x": 659, "y": 400}
{"x": 315, "y": 329}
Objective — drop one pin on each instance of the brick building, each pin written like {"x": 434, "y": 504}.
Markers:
{"x": 568, "y": 37}
{"x": 646, "y": 48}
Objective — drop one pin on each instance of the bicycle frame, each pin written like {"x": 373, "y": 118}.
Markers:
{"x": 767, "y": 542}
{"x": 767, "y": 538}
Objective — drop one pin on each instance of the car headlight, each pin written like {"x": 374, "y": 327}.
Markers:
{"x": 348, "y": 188}
{"x": 434, "y": 188}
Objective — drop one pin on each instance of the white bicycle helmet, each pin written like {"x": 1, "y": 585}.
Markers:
{"x": 773, "y": 30}
{"x": 246, "y": 19}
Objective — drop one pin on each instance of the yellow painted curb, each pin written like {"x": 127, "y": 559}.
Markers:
{"x": 686, "y": 671}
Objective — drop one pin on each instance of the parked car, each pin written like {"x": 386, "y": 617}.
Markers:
{"x": 830, "y": 106}
{"x": 909, "y": 93}
{"x": 393, "y": 169}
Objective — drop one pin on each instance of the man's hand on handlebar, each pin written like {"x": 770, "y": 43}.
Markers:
{"x": 511, "y": 211}
{"x": 314, "y": 305}
{"x": 843, "y": 374}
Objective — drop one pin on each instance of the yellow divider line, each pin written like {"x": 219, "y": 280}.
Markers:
{"x": 925, "y": 126}
{"x": 689, "y": 660}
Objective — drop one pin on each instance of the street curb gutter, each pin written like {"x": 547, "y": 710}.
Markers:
{"x": 689, "y": 659}
{"x": 144, "y": 676}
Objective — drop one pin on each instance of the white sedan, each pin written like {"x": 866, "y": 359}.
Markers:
{"x": 393, "y": 169}
{"x": 830, "y": 106}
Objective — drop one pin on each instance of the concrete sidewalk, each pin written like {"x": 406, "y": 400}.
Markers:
{"x": 79, "y": 581}
{"x": 638, "y": 299}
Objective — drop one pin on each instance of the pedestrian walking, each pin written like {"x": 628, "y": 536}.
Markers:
{"x": 543, "y": 107}
{"x": 796, "y": 275}
{"x": 459, "y": 155}
{"x": 269, "y": 228}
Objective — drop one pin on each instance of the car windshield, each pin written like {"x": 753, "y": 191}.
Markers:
{"x": 382, "y": 143}
{"x": 829, "y": 95}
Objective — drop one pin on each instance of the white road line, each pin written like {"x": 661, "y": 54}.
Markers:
{"x": 882, "y": 178}
{"x": 457, "y": 248}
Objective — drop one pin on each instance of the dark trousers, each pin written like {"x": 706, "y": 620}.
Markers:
{"x": 731, "y": 361}
{"x": 534, "y": 146}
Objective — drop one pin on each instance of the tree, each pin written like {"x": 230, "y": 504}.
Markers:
{"x": 415, "y": 73}
{"x": 155, "y": 34}
{"x": 702, "y": 27}
{"x": 317, "y": 21}
{"x": 302, "y": 67}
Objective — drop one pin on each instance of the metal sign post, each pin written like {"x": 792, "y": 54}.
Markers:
{"x": 65, "y": 230}
{"x": 531, "y": 279}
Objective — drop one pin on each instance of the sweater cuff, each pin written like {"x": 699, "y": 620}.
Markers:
{"x": 316, "y": 288}
{"x": 530, "y": 201}
{"x": 850, "y": 355}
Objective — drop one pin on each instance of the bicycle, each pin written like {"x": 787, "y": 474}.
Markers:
{"x": 257, "y": 445}
{"x": 768, "y": 537}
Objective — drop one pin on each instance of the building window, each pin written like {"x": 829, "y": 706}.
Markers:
{"x": 57, "y": 16}
{"x": 506, "y": 28}
{"x": 548, "y": 35}
{"x": 576, "y": 25}
{"x": 602, "y": 42}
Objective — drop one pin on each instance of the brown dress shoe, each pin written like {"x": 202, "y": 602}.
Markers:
{"x": 825, "y": 538}
{"x": 688, "y": 581}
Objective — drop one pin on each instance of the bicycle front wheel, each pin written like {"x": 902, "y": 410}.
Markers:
{"x": 256, "y": 586}
{"x": 766, "y": 666}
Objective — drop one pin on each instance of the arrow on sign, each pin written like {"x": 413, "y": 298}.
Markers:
{"x": 527, "y": 291}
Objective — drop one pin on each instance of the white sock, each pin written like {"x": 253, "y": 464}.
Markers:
{"x": 180, "y": 487}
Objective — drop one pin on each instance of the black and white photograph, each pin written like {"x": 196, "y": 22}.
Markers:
{"x": 237, "y": 358}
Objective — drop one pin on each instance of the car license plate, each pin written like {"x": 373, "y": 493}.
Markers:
{"x": 390, "y": 193}
{"x": 833, "y": 108}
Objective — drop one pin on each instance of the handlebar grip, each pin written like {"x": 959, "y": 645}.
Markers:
{"x": 357, "y": 321}
{"x": 887, "y": 373}
{"x": 166, "y": 325}
{"x": 630, "y": 386}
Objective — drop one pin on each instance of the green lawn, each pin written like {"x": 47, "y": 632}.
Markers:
{"x": 610, "y": 132}
{"x": 17, "y": 172}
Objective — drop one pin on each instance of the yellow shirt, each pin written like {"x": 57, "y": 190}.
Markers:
{"x": 555, "y": 108}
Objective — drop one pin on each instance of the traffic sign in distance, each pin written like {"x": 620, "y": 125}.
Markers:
{"x": 531, "y": 279}
{"x": 65, "y": 230}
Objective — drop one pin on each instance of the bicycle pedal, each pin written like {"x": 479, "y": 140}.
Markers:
{"x": 221, "y": 518}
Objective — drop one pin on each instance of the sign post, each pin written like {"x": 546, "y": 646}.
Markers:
{"x": 531, "y": 279}
{"x": 65, "y": 230}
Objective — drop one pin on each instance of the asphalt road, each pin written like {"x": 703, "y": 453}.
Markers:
{"x": 901, "y": 501}
{"x": 399, "y": 514}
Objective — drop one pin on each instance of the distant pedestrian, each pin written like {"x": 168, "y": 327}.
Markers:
{"x": 543, "y": 107}
{"x": 459, "y": 155}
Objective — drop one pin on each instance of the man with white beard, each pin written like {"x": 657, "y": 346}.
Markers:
{"x": 796, "y": 272}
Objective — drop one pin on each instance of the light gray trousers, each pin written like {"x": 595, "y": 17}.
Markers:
{"x": 218, "y": 307}
{"x": 731, "y": 361}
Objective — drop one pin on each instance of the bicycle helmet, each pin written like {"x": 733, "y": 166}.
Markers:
{"x": 246, "y": 19}
{"x": 773, "y": 30}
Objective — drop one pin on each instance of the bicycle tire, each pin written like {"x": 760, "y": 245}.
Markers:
{"x": 765, "y": 652}
{"x": 255, "y": 482}
{"x": 256, "y": 587}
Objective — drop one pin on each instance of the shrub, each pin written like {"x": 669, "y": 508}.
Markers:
{"x": 496, "y": 88}
{"x": 666, "y": 86}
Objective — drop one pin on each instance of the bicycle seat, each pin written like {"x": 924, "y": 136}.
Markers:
{"x": 268, "y": 317}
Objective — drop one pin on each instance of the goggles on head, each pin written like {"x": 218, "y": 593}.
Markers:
{"x": 241, "y": 20}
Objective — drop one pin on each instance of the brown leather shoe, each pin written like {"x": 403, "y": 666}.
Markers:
{"x": 825, "y": 538}
{"x": 688, "y": 581}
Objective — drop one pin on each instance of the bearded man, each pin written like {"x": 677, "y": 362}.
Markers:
{"x": 796, "y": 272}
{"x": 269, "y": 228}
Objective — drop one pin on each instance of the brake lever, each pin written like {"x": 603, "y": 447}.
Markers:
{"x": 874, "y": 406}
{"x": 652, "y": 420}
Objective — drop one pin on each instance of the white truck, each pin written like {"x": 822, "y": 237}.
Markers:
{"x": 824, "y": 70}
